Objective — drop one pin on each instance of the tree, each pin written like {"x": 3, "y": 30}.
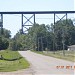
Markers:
{"x": 4, "y": 38}
{"x": 38, "y": 34}
{"x": 50, "y": 37}
{"x": 4, "y": 43}
{"x": 64, "y": 32}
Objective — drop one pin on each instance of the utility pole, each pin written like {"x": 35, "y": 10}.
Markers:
{"x": 54, "y": 36}
{"x": 63, "y": 42}
{"x": 63, "y": 47}
{"x": 38, "y": 43}
{"x": 47, "y": 45}
{"x": 42, "y": 43}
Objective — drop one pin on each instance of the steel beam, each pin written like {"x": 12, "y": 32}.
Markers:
{"x": 37, "y": 12}
{"x": 34, "y": 19}
{"x": 25, "y": 26}
{"x": 1, "y": 24}
{"x": 24, "y": 23}
{"x": 66, "y": 18}
{"x": 1, "y": 21}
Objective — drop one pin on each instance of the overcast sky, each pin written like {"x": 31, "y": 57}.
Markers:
{"x": 13, "y": 22}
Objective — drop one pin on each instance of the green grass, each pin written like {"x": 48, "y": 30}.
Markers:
{"x": 69, "y": 55}
{"x": 8, "y": 63}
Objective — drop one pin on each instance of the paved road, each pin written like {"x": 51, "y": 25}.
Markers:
{"x": 45, "y": 65}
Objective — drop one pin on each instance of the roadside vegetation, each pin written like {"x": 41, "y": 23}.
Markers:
{"x": 69, "y": 55}
{"x": 41, "y": 37}
{"x": 12, "y": 61}
{"x": 51, "y": 38}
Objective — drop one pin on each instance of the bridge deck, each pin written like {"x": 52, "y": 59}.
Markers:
{"x": 36, "y": 12}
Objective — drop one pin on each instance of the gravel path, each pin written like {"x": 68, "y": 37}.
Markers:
{"x": 43, "y": 65}
{"x": 48, "y": 65}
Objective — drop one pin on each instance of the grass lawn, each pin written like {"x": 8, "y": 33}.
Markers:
{"x": 69, "y": 55}
{"x": 12, "y": 61}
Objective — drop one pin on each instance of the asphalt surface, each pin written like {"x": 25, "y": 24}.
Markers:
{"x": 45, "y": 65}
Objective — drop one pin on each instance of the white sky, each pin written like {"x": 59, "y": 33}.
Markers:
{"x": 13, "y": 22}
{"x": 74, "y": 5}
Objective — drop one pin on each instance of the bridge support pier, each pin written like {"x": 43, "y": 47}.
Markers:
{"x": 27, "y": 22}
{"x": 1, "y": 23}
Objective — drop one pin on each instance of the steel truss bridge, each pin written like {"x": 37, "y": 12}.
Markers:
{"x": 33, "y": 13}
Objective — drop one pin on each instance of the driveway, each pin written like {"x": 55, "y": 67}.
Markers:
{"x": 45, "y": 65}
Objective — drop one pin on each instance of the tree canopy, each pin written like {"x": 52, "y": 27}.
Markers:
{"x": 42, "y": 37}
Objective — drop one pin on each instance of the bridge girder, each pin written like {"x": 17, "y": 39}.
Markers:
{"x": 33, "y": 13}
